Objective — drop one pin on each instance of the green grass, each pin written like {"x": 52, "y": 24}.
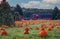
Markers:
{"x": 17, "y": 33}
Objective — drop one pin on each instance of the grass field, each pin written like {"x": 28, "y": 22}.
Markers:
{"x": 18, "y": 33}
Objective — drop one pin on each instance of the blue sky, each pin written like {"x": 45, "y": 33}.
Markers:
{"x": 35, "y": 3}
{"x": 14, "y": 2}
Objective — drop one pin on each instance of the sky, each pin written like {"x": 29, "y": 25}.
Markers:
{"x": 40, "y": 4}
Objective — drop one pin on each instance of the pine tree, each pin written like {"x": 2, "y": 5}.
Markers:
{"x": 19, "y": 9}
{"x": 55, "y": 13}
{"x": 6, "y": 16}
{"x": 18, "y": 13}
{"x": 16, "y": 16}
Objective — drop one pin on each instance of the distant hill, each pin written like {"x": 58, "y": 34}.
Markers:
{"x": 37, "y": 10}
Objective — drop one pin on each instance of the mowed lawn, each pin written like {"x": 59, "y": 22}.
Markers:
{"x": 18, "y": 33}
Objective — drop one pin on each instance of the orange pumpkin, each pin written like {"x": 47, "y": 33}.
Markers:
{"x": 4, "y": 26}
{"x": 30, "y": 28}
{"x": 12, "y": 26}
{"x": 50, "y": 28}
{"x": 43, "y": 33}
{"x": 3, "y": 32}
{"x": 26, "y": 30}
{"x": 37, "y": 28}
{"x": 52, "y": 24}
{"x": 44, "y": 25}
{"x": 58, "y": 28}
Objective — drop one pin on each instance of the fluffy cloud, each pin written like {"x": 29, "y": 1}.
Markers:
{"x": 51, "y": 1}
{"x": 43, "y": 4}
{"x": 31, "y": 4}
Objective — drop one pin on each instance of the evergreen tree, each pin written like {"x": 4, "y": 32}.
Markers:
{"x": 19, "y": 13}
{"x": 16, "y": 16}
{"x": 5, "y": 14}
{"x": 19, "y": 9}
{"x": 55, "y": 13}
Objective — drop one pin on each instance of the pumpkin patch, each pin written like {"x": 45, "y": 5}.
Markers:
{"x": 31, "y": 29}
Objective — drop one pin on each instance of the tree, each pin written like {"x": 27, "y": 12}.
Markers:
{"x": 6, "y": 16}
{"x": 55, "y": 13}
{"x": 19, "y": 9}
{"x": 16, "y": 16}
{"x": 58, "y": 15}
{"x": 19, "y": 13}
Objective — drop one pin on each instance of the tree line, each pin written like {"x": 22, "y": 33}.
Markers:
{"x": 8, "y": 17}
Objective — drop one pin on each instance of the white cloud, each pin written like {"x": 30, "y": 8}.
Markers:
{"x": 37, "y": 4}
{"x": 31, "y": 4}
{"x": 51, "y": 1}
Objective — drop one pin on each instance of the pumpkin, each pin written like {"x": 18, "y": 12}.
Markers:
{"x": 30, "y": 28}
{"x": 37, "y": 28}
{"x": 52, "y": 24}
{"x": 26, "y": 30}
{"x": 43, "y": 33}
{"x": 44, "y": 25}
{"x": 58, "y": 28}
{"x": 50, "y": 28}
{"x": 3, "y": 32}
{"x": 4, "y": 26}
{"x": 12, "y": 26}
